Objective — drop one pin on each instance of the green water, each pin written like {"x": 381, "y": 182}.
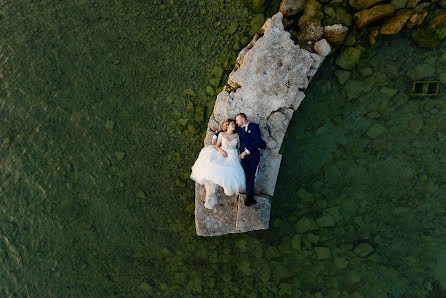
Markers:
{"x": 95, "y": 158}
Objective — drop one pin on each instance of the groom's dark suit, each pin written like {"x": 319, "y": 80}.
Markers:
{"x": 251, "y": 141}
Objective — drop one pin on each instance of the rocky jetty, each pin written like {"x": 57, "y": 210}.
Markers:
{"x": 267, "y": 84}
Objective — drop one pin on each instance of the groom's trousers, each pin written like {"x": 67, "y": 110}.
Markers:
{"x": 249, "y": 164}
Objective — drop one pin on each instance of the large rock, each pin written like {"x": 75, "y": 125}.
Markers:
{"x": 367, "y": 16}
{"x": 266, "y": 84}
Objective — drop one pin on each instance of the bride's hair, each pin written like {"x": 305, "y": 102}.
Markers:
{"x": 225, "y": 124}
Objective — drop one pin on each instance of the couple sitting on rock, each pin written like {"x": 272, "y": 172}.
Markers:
{"x": 231, "y": 161}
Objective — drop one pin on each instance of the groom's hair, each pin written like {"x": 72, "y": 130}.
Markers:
{"x": 243, "y": 115}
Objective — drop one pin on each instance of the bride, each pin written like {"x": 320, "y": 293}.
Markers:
{"x": 220, "y": 165}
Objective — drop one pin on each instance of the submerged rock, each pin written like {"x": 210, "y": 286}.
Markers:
{"x": 322, "y": 252}
{"x": 310, "y": 32}
{"x": 335, "y": 34}
{"x": 363, "y": 249}
{"x": 367, "y": 16}
{"x": 306, "y": 224}
{"x": 312, "y": 11}
{"x": 376, "y": 130}
{"x": 398, "y": 4}
{"x": 421, "y": 71}
{"x": 363, "y": 4}
{"x": 433, "y": 33}
{"x": 348, "y": 58}
{"x": 291, "y": 7}
{"x": 416, "y": 19}
{"x": 396, "y": 23}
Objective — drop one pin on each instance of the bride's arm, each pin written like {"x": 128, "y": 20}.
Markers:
{"x": 217, "y": 146}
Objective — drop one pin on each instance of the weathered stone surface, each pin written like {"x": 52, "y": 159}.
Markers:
{"x": 217, "y": 221}
{"x": 396, "y": 23}
{"x": 267, "y": 173}
{"x": 363, "y": 4}
{"x": 230, "y": 215}
{"x": 291, "y": 7}
{"x": 266, "y": 84}
{"x": 367, "y": 16}
{"x": 255, "y": 217}
{"x": 335, "y": 34}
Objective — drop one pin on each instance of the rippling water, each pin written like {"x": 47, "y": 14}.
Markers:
{"x": 97, "y": 137}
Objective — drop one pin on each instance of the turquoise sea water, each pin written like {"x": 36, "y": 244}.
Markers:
{"x": 97, "y": 137}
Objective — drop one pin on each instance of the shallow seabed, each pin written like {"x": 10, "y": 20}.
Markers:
{"x": 362, "y": 179}
{"x": 103, "y": 110}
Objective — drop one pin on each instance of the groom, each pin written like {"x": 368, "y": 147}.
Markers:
{"x": 250, "y": 142}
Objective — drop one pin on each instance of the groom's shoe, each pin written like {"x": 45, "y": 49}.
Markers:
{"x": 249, "y": 201}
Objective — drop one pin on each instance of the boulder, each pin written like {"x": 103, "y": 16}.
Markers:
{"x": 367, "y": 16}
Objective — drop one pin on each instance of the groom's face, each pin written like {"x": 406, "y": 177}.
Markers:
{"x": 239, "y": 120}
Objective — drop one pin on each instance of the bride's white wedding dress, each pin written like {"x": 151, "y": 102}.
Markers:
{"x": 211, "y": 168}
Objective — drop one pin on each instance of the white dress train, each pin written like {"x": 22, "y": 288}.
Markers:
{"x": 211, "y": 168}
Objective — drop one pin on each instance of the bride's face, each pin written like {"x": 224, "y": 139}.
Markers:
{"x": 231, "y": 126}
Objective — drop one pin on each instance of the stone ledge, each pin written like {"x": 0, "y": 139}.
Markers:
{"x": 255, "y": 217}
{"x": 231, "y": 215}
